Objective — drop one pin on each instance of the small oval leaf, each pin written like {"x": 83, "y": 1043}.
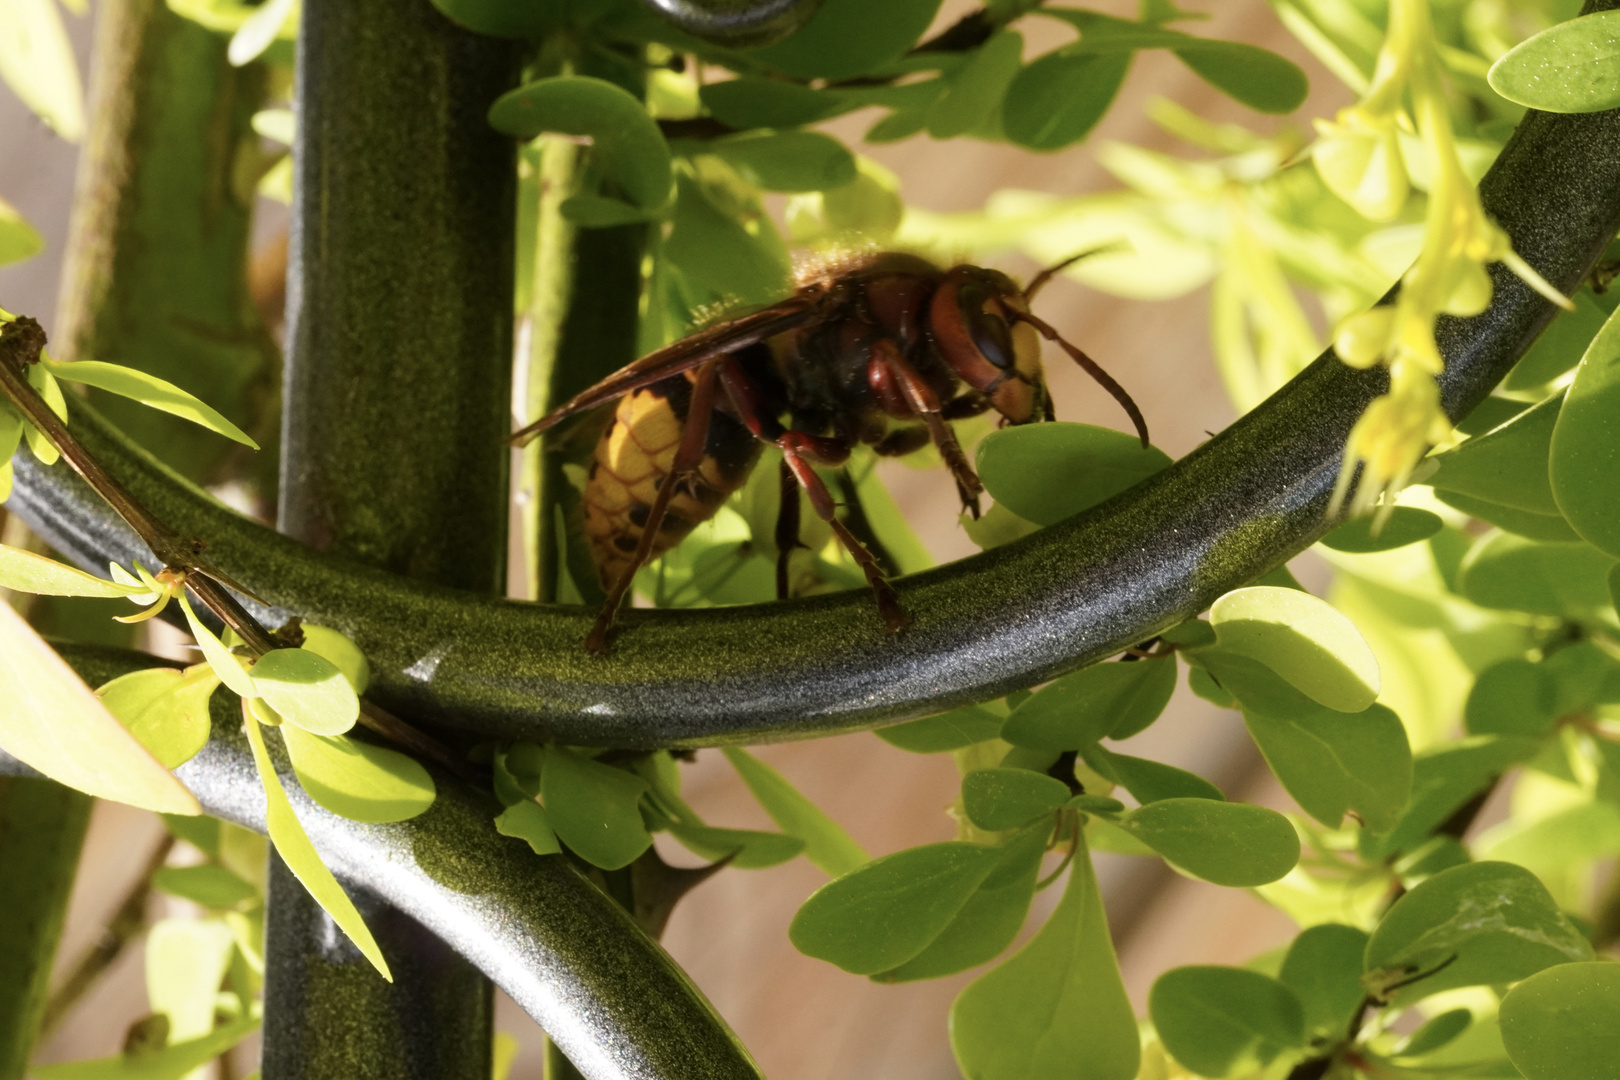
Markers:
{"x": 307, "y": 690}
{"x": 1559, "y": 1023}
{"x": 1226, "y": 843}
{"x": 1301, "y": 638}
{"x": 997, "y": 799}
{"x": 357, "y": 780}
{"x": 1573, "y": 67}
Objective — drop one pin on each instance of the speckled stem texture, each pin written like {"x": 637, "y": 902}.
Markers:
{"x": 567, "y": 954}
{"x": 1065, "y": 597}
{"x": 397, "y": 387}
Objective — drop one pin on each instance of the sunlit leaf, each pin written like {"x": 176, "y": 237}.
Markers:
{"x": 1227, "y": 843}
{"x": 295, "y": 849}
{"x": 1302, "y": 639}
{"x": 50, "y": 720}
{"x": 345, "y": 654}
{"x": 259, "y": 30}
{"x": 25, "y": 572}
{"x": 219, "y": 658}
{"x": 826, "y": 844}
{"x": 166, "y": 709}
{"x": 527, "y": 820}
{"x": 1571, "y": 67}
{"x": 357, "y": 780}
{"x": 1222, "y": 1020}
{"x": 1057, "y": 1010}
{"x": 148, "y": 390}
{"x": 207, "y": 884}
{"x": 186, "y": 960}
{"x": 1488, "y": 922}
{"x": 306, "y": 690}
{"x": 37, "y": 62}
{"x": 18, "y": 241}
{"x": 170, "y": 1063}
{"x": 1559, "y": 1023}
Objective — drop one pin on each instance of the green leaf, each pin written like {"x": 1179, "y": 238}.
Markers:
{"x": 186, "y": 961}
{"x": 826, "y": 844}
{"x": 974, "y": 91}
{"x": 1105, "y": 700}
{"x": 882, "y": 914}
{"x": 1584, "y": 458}
{"x": 714, "y": 252}
{"x": 948, "y": 731}
{"x": 51, "y": 721}
{"x": 787, "y": 160}
{"x": 1332, "y": 763}
{"x": 1323, "y": 969}
{"x": 51, "y": 391}
{"x": 1257, "y": 77}
{"x": 601, "y": 211}
{"x": 625, "y": 142}
{"x": 259, "y": 31}
{"x": 1443, "y": 780}
{"x": 1436, "y": 1032}
{"x": 1219, "y": 1021}
{"x": 1487, "y": 922}
{"x": 1510, "y": 573}
{"x": 1405, "y": 525}
{"x": 1226, "y": 843}
{"x": 18, "y": 241}
{"x": 344, "y": 654}
{"x": 24, "y": 572}
{"x": 990, "y": 919}
{"x": 997, "y": 799}
{"x": 751, "y": 850}
{"x": 1057, "y": 1010}
{"x": 1508, "y": 464}
{"x": 218, "y": 656}
{"x": 1549, "y": 527}
{"x": 748, "y": 103}
{"x": 527, "y": 820}
{"x": 170, "y": 1063}
{"x": 1058, "y": 99}
{"x": 1301, "y": 638}
{"x": 1559, "y": 1023}
{"x": 1559, "y": 347}
{"x": 1148, "y": 781}
{"x": 846, "y": 38}
{"x": 149, "y": 390}
{"x": 306, "y": 690}
{"x": 1573, "y": 67}
{"x": 504, "y": 18}
{"x": 167, "y": 710}
{"x": 595, "y": 808}
{"x": 295, "y": 849}
{"x": 357, "y": 780}
{"x": 1047, "y": 472}
{"x": 1512, "y": 697}
{"x": 208, "y": 885}
{"x": 1204, "y": 685}
{"x": 37, "y": 62}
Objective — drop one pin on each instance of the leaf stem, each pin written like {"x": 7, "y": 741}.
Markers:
{"x": 21, "y": 342}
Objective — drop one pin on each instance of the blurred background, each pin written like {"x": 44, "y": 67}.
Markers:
{"x": 804, "y": 1019}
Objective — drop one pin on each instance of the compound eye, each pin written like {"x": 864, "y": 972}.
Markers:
{"x": 990, "y": 333}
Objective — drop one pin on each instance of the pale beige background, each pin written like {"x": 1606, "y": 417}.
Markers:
{"x": 803, "y": 1019}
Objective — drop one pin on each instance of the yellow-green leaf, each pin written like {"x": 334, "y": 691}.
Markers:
{"x": 23, "y": 571}
{"x": 36, "y": 60}
{"x": 218, "y": 656}
{"x": 149, "y": 390}
{"x": 357, "y": 780}
{"x": 167, "y": 710}
{"x": 51, "y": 720}
{"x": 295, "y": 849}
{"x": 306, "y": 689}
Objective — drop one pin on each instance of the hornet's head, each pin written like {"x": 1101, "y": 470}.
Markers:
{"x": 974, "y": 320}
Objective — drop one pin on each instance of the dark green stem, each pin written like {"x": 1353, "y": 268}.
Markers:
{"x": 567, "y": 954}
{"x": 42, "y": 827}
{"x": 397, "y": 393}
{"x": 1067, "y": 596}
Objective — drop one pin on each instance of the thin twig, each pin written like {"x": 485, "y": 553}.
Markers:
{"x": 126, "y": 924}
{"x": 21, "y": 342}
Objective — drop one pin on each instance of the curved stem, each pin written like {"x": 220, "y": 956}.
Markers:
{"x": 1065, "y": 597}
{"x": 569, "y": 956}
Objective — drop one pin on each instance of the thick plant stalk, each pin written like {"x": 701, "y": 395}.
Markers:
{"x": 573, "y": 959}
{"x": 156, "y": 275}
{"x": 398, "y": 367}
{"x": 42, "y": 827}
{"x": 1067, "y": 596}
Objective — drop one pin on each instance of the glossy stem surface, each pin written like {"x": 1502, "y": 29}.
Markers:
{"x": 1067, "y": 596}
{"x": 397, "y": 381}
{"x": 566, "y": 954}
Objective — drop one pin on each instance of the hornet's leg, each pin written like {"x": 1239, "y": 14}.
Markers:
{"x": 688, "y": 455}
{"x": 787, "y": 526}
{"x": 925, "y": 403}
{"x": 798, "y": 451}
{"x": 1092, "y": 368}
